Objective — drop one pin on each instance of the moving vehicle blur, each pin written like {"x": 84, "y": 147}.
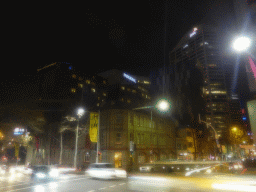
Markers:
{"x": 105, "y": 171}
{"x": 41, "y": 172}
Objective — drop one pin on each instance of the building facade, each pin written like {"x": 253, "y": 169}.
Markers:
{"x": 129, "y": 138}
{"x": 198, "y": 51}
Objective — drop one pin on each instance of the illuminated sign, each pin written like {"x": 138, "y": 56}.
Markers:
{"x": 129, "y": 77}
{"x": 193, "y": 33}
{"x": 18, "y": 131}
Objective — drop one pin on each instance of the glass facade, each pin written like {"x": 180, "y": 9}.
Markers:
{"x": 200, "y": 48}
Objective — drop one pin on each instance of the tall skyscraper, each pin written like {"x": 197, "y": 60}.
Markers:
{"x": 197, "y": 54}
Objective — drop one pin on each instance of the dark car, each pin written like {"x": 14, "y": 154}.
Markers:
{"x": 42, "y": 172}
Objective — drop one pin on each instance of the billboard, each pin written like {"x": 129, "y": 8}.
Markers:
{"x": 94, "y": 122}
{"x": 251, "y": 74}
{"x": 251, "y": 105}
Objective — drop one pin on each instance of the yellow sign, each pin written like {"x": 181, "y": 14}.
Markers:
{"x": 16, "y": 150}
{"x": 94, "y": 121}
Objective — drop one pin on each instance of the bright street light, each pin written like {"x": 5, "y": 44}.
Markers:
{"x": 241, "y": 44}
{"x": 163, "y": 105}
{"x": 234, "y": 129}
{"x": 80, "y": 112}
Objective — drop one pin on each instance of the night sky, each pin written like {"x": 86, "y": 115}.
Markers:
{"x": 98, "y": 36}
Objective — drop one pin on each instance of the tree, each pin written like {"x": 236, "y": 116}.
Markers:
{"x": 237, "y": 135}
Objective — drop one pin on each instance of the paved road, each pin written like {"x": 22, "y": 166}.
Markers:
{"x": 134, "y": 183}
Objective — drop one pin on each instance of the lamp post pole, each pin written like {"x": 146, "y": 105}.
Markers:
{"x": 80, "y": 113}
{"x": 61, "y": 148}
{"x": 75, "y": 158}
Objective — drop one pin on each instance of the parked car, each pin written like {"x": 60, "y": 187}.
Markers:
{"x": 105, "y": 171}
{"x": 42, "y": 172}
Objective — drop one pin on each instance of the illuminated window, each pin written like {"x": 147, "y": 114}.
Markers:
{"x": 80, "y": 85}
{"x": 74, "y": 76}
{"x": 104, "y": 94}
{"x": 98, "y": 98}
{"x": 123, "y": 88}
{"x": 93, "y": 90}
{"x": 104, "y": 82}
{"x": 146, "y": 82}
{"x": 146, "y": 96}
{"x": 98, "y": 104}
{"x": 142, "y": 94}
{"x": 134, "y": 91}
{"x": 128, "y": 101}
{"x": 218, "y": 92}
{"x": 73, "y": 90}
{"x": 88, "y": 81}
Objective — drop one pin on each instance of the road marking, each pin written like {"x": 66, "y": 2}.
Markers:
{"x": 42, "y": 185}
{"x": 122, "y": 184}
{"x": 91, "y": 191}
{"x": 102, "y": 188}
{"x": 112, "y": 186}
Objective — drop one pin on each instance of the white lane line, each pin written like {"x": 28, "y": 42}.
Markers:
{"x": 41, "y": 185}
{"x": 102, "y": 188}
{"x": 16, "y": 185}
{"x": 27, "y": 183}
{"x": 112, "y": 186}
{"x": 122, "y": 184}
{"x": 91, "y": 191}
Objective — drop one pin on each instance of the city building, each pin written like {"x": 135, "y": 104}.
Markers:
{"x": 126, "y": 90}
{"x": 197, "y": 59}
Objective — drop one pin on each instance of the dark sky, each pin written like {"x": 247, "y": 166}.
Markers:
{"x": 97, "y": 36}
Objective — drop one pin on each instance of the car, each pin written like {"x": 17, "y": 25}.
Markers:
{"x": 105, "y": 171}
{"x": 43, "y": 172}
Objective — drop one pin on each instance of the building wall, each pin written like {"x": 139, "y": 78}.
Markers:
{"x": 119, "y": 127}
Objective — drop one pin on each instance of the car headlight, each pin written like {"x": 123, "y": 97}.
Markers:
{"x": 54, "y": 173}
{"x": 40, "y": 175}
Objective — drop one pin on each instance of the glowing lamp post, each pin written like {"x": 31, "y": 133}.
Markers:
{"x": 79, "y": 113}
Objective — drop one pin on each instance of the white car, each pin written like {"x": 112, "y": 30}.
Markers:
{"x": 105, "y": 171}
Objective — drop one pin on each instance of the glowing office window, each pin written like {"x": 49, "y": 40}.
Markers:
{"x": 80, "y": 85}
{"x": 73, "y": 90}
{"x": 93, "y": 90}
{"x": 88, "y": 81}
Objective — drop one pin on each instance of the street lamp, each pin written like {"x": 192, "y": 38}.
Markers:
{"x": 79, "y": 114}
{"x": 241, "y": 44}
